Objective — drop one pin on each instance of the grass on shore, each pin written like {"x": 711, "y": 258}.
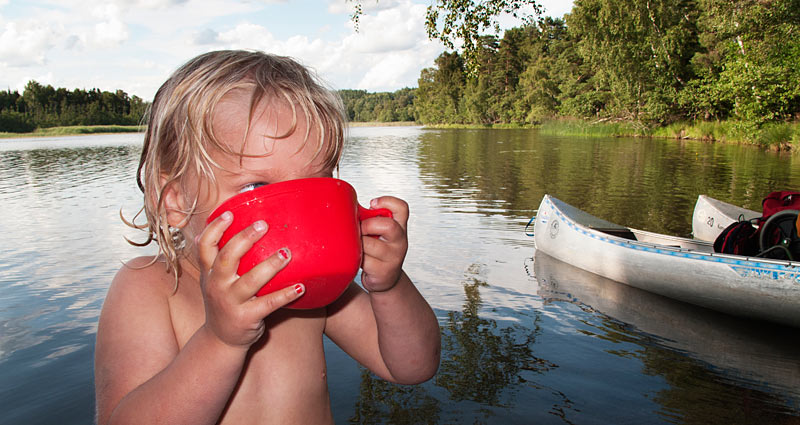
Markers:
{"x": 382, "y": 124}
{"x": 76, "y": 130}
{"x": 779, "y": 136}
{"x": 105, "y": 129}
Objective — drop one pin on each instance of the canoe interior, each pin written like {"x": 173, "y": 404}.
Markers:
{"x": 598, "y": 224}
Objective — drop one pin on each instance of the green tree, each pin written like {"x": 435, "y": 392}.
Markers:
{"x": 638, "y": 51}
{"x": 748, "y": 66}
{"x": 440, "y": 90}
{"x": 45, "y": 106}
{"x": 550, "y": 67}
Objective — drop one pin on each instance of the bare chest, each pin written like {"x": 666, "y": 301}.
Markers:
{"x": 284, "y": 379}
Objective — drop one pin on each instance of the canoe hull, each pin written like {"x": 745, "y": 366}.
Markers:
{"x": 679, "y": 268}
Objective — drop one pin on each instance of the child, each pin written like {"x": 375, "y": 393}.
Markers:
{"x": 181, "y": 337}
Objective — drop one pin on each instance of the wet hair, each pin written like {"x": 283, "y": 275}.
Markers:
{"x": 179, "y": 133}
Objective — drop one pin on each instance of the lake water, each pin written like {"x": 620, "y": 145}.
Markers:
{"x": 526, "y": 339}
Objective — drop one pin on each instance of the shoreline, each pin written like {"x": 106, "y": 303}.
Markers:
{"x": 77, "y": 130}
{"x": 770, "y": 136}
{"x": 773, "y": 136}
{"x": 383, "y": 124}
{"x": 82, "y": 130}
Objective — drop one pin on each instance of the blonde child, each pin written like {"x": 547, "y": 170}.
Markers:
{"x": 182, "y": 339}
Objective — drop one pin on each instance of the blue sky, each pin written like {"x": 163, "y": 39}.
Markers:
{"x": 134, "y": 45}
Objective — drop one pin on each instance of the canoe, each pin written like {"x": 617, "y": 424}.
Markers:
{"x": 683, "y": 269}
{"x": 745, "y": 350}
{"x": 711, "y": 216}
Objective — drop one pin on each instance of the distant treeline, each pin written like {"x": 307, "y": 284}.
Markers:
{"x": 649, "y": 62}
{"x": 42, "y": 106}
{"x": 383, "y": 107}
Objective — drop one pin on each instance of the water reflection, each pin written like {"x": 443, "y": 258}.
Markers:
{"x": 381, "y": 402}
{"x": 647, "y": 184}
{"x": 482, "y": 362}
{"x": 708, "y": 359}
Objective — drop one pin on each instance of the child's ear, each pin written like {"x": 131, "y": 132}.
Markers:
{"x": 174, "y": 202}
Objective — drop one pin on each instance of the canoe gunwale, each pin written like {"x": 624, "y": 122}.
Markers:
{"x": 746, "y": 286}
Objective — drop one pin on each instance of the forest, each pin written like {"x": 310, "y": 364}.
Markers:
{"x": 42, "y": 106}
{"x": 363, "y": 106}
{"x": 645, "y": 61}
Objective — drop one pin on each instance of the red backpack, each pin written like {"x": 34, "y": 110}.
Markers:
{"x": 779, "y": 201}
{"x": 743, "y": 238}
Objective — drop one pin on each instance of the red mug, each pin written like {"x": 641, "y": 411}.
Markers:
{"x": 318, "y": 219}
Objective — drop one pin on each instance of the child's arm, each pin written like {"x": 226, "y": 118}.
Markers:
{"x": 393, "y": 331}
{"x": 141, "y": 374}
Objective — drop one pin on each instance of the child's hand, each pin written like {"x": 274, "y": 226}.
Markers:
{"x": 384, "y": 255}
{"x": 233, "y": 313}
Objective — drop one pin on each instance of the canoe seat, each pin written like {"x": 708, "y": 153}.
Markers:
{"x": 620, "y": 232}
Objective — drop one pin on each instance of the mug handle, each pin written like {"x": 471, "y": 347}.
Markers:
{"x": 364, "y": 213}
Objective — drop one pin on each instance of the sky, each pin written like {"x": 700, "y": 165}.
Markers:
{"x": 134, "y": 45}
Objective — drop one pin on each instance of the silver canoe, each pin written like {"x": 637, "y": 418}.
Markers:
{"x": 711, "y": 216}
{"x": 684, "y": 269}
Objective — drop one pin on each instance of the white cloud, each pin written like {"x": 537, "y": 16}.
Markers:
{"x": 386, "y": 54}
{"x": 25, "y": 43}
{"x": 399, "y": 28}
{"x": 389, "y": 71}
{"x": 134, "y": 45}
{"x": 245, "y": 34}
{"x": 110, "y": 31}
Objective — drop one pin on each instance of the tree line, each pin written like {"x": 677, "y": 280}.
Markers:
{"x": 362, "y": 106}
{"x": 649, "y": 62}
{"x": 43, "y": 106}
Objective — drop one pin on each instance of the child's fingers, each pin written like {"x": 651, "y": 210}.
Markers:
{"x": 387, "y": 228}
{"x": 209, "y": 239}
{"x": 248, "y": 285}
{"x": 376, "y": 248}
{"x": 227, "y": 261}
{"x": 266, "y": 305}
{"x": 378, "y": 275}
{"x": 397, "y": 206}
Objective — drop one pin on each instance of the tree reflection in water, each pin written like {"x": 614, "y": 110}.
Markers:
{"x": 482, "y": 362}
{"x": 381, "y": 402}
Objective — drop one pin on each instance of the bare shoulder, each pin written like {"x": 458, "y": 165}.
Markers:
{"x": 137, "y": 303}
{"x": 135, "y": 337}
{"x": 144, "y": 274}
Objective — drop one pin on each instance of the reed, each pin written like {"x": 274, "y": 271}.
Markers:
{"x": 382, "y": 123}
{"x": 76, "y": 130}
{"x": 781, "y": 136}
{"x": 579, "y": 128}
{"x": 499, "y": 126}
